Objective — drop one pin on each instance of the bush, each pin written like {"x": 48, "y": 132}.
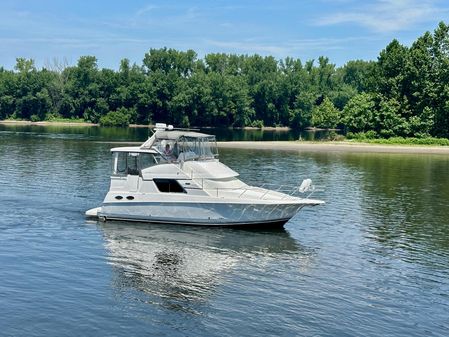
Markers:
{"x": 257, "y": 124}
{"x": 350, "y": 135}
{"x": 35, "y": 118}
{"x": 116, "y": 118}
{"x": 410, "y": 141}
{"x": 185, "y": 123}
{"x": 371, "y": 134}
{"x": 362, "y": 136}
{"x": 386, "y": 133}
{"x": 335, "y": 137}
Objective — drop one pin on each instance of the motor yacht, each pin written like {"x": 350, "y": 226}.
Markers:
{"x": 175, "y": 177}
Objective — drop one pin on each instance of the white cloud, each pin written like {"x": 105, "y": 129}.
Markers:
{"x": 248, "y": 47}
{"x": 146, "y": 9}
{"x": 385, "y": 15}
{"x": 287, "y": 48}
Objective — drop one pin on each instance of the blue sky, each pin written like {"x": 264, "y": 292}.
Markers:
{"x": 111, "y": 30}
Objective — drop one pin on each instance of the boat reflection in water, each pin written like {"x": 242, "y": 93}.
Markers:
{"x": 179, "y": 267}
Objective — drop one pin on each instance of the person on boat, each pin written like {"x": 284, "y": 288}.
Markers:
{"x": 168, "y": 153}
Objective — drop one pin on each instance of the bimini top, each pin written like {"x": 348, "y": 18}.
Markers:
{"x": 182, "y": 145}
{"x": 175, "y": 136}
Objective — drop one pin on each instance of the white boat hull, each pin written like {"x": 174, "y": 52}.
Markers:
{"x": 199, "y": 213}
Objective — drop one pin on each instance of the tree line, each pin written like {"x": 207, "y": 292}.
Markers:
{"x": 404, "y": 93}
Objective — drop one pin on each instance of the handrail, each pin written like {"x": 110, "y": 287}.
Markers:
{"x": 285, "y": 189}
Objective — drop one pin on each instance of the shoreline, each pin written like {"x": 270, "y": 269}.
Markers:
{"x": 329, "y": 147}
{"x": 346, "y": 147}
{"x": 299, "y": 146}
{"x": 58, "y": 123}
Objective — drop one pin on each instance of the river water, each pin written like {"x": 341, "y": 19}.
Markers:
{"x": 374, "y": 261}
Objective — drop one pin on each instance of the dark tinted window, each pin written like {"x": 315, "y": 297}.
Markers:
{"x": 168, "y": 186}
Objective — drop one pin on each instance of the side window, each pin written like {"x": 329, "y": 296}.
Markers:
{"x": 146, "y": 160}
{"x": 132, "y": 163}
{"x": 120, "y": 165}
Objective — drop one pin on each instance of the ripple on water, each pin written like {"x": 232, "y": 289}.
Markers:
{"x": 372, "y": 261}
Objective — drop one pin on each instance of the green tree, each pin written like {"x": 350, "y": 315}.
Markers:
{"x": 358, "y": 114}
{"x": 325, "y": 115}
{"x": 405, "y": 92}
{"x": 24, "y": 66}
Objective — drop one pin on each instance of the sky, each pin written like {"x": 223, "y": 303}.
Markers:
{"x": 60, "y": 31}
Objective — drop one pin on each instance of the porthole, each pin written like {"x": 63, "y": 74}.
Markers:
{"x": 118, "y": 197}
{"x": 130, "y": 197}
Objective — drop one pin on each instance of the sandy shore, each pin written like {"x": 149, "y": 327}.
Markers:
{"x": 335, "y": 147}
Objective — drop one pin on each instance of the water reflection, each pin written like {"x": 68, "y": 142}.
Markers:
{"x": 228, "y": 134}
{"x": 180, "y": 267}
{"x": 404, "y": 203}
{"x": 75, "y": 132}
{"x": 142, "y": 133}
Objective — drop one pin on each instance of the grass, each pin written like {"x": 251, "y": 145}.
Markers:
{"x": 406, "y": 141}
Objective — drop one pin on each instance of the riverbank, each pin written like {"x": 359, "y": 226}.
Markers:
{"x": 76, "y": 123}
{"x": 342, "y": 146}
{"x": 300, "y": 146}
{"x": 347, "y": 147}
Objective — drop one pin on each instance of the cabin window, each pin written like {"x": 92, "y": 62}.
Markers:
{"x": 131, "y": 162}
{"x": 120, "y": 163}
{"x": 168, "y": 186}
{"x": 146, "y": 160}
{"x": 133, "y": 168}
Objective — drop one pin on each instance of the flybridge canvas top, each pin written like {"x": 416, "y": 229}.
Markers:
{"x": 162, "y": 131}
{"x": 175, "y": 135}
{"x": 183, "y": 145}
